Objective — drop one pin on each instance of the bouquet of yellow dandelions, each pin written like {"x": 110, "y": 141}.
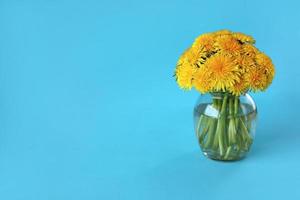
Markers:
{"x": 228, "y": 63}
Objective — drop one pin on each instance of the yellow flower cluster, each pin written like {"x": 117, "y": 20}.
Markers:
{"x": 224, "y": 61}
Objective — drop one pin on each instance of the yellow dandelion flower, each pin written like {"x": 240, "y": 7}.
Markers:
{"x": 270, "y": 72}
{"x": 190, "y": 55}
{"x": 204, "y": 42}
{"x": 249, "y": 50}
{"x": 202, "y": 80}
{"x": 244, "y": 38}
{"x": 239, "y": 87}
{"x": 267, "y": 66}
{"x": 196, "y": 56}
{"x": 262, "y": 59}
{"x": 186, "y": 67}
{"x": 184, "y": 76}
{"x": 222, "y": 70}
{"x": 222, "y": 32}
{"x": 244, "y": 62}
{"x": 228, "y": 44}
{"x": 256, "y": 79}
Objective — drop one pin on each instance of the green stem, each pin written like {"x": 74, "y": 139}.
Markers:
{"x": 199, "y": 125}
{"x": 205, "y": 123}
{"x": 210, "y": 135}
{"x": 220, "y": 135}
{"x": 230, "y": 131}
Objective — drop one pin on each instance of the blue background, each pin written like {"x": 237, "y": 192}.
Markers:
{"x": 89, "y": 108}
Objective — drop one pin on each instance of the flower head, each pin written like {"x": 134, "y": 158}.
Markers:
{"x": 228, "y": 44}
{"x": 222, "y": 32}
{"x": 204, "y": 42}
{"x": 185, "y": 69}
{"x": 239, "y": 87}
{"x": 244, "y": 62}
{"x": 256, "y": 79}
{"x": 249, "y": 50}
{"x": 267, "y": 66}
{"x": 184, "y": 76}
{"x": 244, "y": 38}
{"x": 222, "y": 70}
{"x": 202, "y": 80}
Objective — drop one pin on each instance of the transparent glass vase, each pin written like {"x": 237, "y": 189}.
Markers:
{"x": 225, "y": 125}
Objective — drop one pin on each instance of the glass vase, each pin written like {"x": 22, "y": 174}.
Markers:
{"x": 225, "y": 125}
